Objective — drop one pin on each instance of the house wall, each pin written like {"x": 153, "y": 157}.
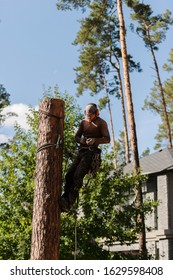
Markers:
{"x": 163, "y": 249}
{"x": 160, "y": 239}
{"x": 151, "y": 192}
{"x": 170, "y": 198}
{"x": 162, "y": 196}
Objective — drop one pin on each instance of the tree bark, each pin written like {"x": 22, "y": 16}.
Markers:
{"x": 111, "y": 123}
{"x": 126, "y": 137}
{"x": 46, "y": 208}
{"x": 132, "y": 125}
{"x": 133, "y": 135}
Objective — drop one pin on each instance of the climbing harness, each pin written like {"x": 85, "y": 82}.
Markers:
{"x": 96, "y": 162}
{"x": 96, "y": 159}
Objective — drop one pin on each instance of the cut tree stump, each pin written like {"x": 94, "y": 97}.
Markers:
{"x": 46, "y": 208}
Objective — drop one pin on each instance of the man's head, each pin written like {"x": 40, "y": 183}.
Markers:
{"x": 91, "y": 111}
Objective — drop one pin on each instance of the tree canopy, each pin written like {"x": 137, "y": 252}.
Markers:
{"x": 105, "y": 213}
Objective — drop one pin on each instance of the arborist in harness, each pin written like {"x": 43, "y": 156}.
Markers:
{"x": 92, "y": 132}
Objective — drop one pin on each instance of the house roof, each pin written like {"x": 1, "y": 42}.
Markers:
{"x": 154, "y": 163}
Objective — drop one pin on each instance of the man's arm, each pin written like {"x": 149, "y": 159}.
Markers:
{"x": 79, "y": 133}
{"x": 105, "y": 139}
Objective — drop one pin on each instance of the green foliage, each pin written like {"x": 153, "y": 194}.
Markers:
{"x": 72, "y": 4}
{"x": 98, "y": 37}
{"x": 169, "y": 65}
{"x": 17, "y": 172}
{"x": 73, "y": 117}
{"x": 121, "y": 154}
{"x": 151, "y": 28}
{"x": 146, "y": 152}
{"x": 17, "y": 167}
{"x": 99, "y": 50}
{"x": 105, "y": 214}
{"x": 153, "y": 102}
{"x": 4, "y": 101}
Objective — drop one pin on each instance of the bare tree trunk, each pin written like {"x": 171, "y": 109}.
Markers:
{"x": 132, "y": 125}
{"x": 133, "y": 136}
{"x": 126, "y": 138}
{"x": 46, "y": 209}
{"x": 111, "y": 124}
{"x": 168, "y": 129}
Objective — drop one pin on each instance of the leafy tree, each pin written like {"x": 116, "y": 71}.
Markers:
{"x": 146, "y": 152}
{"x": 100, "y": 56}
{"x": 132, "y": 125}
{"x": 152, "y": 29}
{"x": 72, "y": 4}
{"x": 153, "y": 102}
{"x": 95, "y": 37}
{"x": 169, "y": 65}
{"x": 133, "y": 135}
{"x": 17, "y": 165}
{"x": 17, "y": 171}
{"x": 105, "y": 212}
{"x": 4, "y": 102}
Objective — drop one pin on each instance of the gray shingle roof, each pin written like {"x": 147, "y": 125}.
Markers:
{"x": 154, "y": 163}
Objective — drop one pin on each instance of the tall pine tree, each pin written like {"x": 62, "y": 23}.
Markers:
{"x": 152, "y": 29}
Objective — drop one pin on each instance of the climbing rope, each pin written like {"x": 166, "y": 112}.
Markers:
{"x": 49, "y": 114}
{"x": 59, "y": 140}
{"x": 75, "y": 231}
{"x": 76, "y": 224}
{"x": 47, "y": 145}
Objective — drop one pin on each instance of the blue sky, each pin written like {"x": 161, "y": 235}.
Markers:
{"x": 36, "y": 51}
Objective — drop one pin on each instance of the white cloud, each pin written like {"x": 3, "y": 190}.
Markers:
{"x": 3, "y": 138}
{"x": 21, "y": 110}
{"x": 7, "y": 129}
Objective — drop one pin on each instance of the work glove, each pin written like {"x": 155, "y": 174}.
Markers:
{"x": 90, "y": 141}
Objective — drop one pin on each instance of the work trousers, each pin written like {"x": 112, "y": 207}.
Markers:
{"x": 81, "y": 166}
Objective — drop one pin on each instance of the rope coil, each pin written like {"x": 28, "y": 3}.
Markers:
{"x": 47, "y": 145}
{"x": 49, "y": 115}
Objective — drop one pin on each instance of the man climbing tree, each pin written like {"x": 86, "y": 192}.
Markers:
{"x": 92, "y": 131}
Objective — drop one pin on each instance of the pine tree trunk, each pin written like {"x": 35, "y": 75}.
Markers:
{"x": 132, "y": 126}
{"x": 126, "y": 138}
{"x": 46, "y": 209}
{"x": 111, "y": 125}
{"x": 133, "y": 136}
{"x": 168, "y": 129}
